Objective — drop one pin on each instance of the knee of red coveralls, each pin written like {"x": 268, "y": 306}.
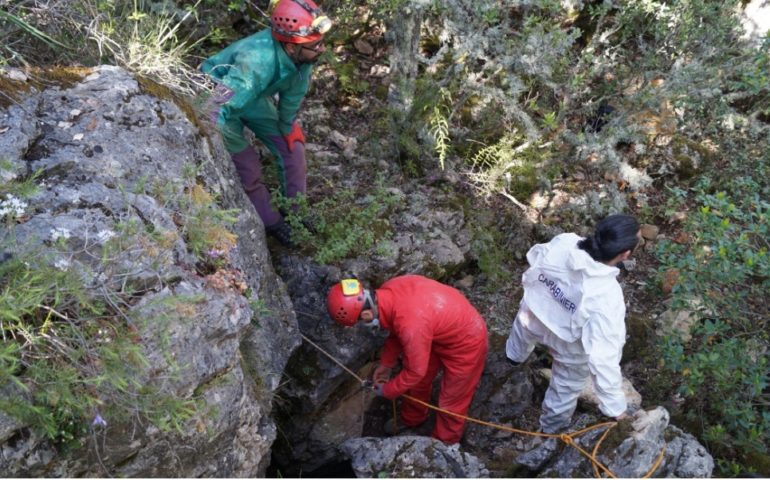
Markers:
{"x": 249, "y": 168}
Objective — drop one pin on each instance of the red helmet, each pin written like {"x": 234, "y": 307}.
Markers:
{"x": 298, "y": 21}
{"x": 345, "y": 302}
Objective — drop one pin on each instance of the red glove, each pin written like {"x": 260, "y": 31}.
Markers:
{"x": 381, "y": 375}
{"x": 295, "y": 135}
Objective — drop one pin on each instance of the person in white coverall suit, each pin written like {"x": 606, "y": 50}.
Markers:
{"x": 574, "y": 305}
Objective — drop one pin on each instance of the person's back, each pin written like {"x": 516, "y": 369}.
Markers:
{"x": 573, "y": 305}
{"x": 243, "y": 52}
{"x": 418, "y": 303}
{"x": 564, "y": 287}
{"x": 255, "y": 68}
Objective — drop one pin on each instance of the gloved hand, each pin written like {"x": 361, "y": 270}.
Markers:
{"x": 377, "y": 389}
{"x": 295, "y": 135}
{"x": 381, "y": 374}
{"x": 219, "y": 96}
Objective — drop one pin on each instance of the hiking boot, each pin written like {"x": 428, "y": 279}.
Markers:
{"x": 281, "y": 231}
{"x": 310, "y": 221}
{"x": 511, "y": 362}
{"x": 311, "y": 224}
{"x": 392, "y": 428}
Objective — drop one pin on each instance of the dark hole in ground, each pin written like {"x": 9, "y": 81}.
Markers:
{"x": 338, "y": 469}
{"x": 341, "y": 469}
{"x": 381, "y": 411}
{"x": 378, "y": 413}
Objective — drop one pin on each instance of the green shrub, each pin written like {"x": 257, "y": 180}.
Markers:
{"x": 726, "y": 261}
{"x": 342, "y": 225}
{"x": 71, "y": 354}
{"x": 723, "y": 263}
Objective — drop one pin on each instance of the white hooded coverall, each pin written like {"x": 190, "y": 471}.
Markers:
{"x": 573, "y": 305}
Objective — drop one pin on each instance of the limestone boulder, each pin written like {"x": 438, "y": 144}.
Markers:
{"x": 113, "y": 168}
{"x": 410, "y": 457}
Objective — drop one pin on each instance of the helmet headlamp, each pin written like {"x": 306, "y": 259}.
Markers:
{"x": 350, "y": 287}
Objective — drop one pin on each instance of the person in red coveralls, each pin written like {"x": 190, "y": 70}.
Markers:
{"x": 432, "y": 326}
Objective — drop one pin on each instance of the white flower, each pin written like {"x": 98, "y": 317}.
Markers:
{"x": 57, "y": 233}
{"x": 12, "y": 205}
{"x": 105, "y": 235}
{"x": 62, "y": 264}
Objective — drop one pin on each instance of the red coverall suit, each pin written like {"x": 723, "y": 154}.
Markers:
{"x": 434, "y": 326}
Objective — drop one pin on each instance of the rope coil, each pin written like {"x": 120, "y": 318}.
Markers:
{"x": 567, "y": 438}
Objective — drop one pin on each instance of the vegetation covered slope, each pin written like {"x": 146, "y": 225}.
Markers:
{"x": 558, "y": 111}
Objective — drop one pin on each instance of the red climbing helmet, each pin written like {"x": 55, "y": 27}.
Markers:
{"x": 345, "y": 302}
{"x": 298, "y": 21}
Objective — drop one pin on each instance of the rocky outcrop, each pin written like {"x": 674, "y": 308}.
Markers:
{"x": 114, "y": 168}
{"x": 630, "y": 450}
{"x": 410, "y": 457}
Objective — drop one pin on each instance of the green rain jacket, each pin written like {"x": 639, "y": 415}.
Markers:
{"x": 256, "y": 68}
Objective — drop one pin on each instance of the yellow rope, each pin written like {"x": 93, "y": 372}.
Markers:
{"x": 567, "y": 438}
{"x": 657, "y": 462}
{"x": 596, "y": 449}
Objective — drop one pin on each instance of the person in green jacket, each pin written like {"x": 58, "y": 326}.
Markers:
{"x": 261, "y": 81}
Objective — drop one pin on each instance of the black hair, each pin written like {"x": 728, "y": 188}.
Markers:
{"x": 613, "y": 235}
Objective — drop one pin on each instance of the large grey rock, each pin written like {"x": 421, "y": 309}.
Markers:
{"x": 429, "y": 239}
{"x": 685, "y": 457}
{"x": 630, "y": 450}
{"x": 410, "y": 457}
{"x": 589, "y": 396}
{"x": 114, "y": 167}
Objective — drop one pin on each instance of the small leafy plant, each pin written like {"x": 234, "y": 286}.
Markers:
{"x": 720, "y": 261}
{"x": 340, "y": 226}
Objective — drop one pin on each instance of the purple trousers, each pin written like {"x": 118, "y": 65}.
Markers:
{"x": 292, "y": 173}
